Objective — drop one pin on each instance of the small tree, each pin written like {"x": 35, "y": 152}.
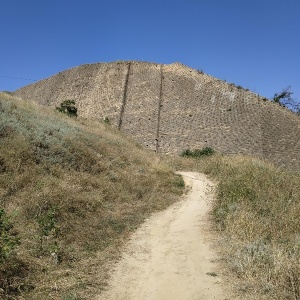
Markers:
{"x": 68, "y": 107}
{"x": 284, "y": 98}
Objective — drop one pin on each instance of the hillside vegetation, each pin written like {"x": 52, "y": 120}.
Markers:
{"x": 70, "y": 193}
{"x": 170, "y": 106}
{"x": 257, "y": 215}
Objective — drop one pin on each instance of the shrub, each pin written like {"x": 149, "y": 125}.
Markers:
{"x": 47, "y": 226}
{"x": 8, "y": 240}
{"x": 68, "y": 107}
{"x": 206, "y": 151}
{"x": 107, "y": 121}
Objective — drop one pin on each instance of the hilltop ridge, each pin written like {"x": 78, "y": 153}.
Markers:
{"x": 170, "y": 108}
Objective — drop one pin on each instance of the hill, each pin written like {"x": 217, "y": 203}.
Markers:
{"x": 70, "y": 193}
{"x": 170, "y": 108}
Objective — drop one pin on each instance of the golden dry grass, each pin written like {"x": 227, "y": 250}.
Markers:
{"x": 257, "y": 213}
{"x": 73, "y": 191}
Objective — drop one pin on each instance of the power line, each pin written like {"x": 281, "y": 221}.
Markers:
{"x": 19, "y": 78}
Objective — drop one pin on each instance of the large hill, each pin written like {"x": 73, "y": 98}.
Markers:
{"x": 170, "y": 108}
{"x": 73, "y": 190}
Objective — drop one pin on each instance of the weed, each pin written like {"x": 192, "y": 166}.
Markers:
{"x": 179, "y": 182}
{"x": 8, "y": 238}
{"x": 48, "y": 226}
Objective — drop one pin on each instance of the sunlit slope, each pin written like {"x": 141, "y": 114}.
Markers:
{"x": 169, "y": 108}
{"x": 70, "y": 192}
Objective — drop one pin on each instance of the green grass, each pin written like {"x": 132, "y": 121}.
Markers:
{"x": 73, "y": 191}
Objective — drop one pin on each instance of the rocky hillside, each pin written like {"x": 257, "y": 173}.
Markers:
{"x": 169, "y": 108}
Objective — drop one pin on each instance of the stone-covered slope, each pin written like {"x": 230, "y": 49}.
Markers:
{"x": 169, "y": 108}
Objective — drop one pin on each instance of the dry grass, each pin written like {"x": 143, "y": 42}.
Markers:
{"x": 74, "y": 191}
{"x": 257, "y": 212}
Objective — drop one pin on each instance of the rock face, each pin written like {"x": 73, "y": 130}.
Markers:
{"x": 170, "y": 108}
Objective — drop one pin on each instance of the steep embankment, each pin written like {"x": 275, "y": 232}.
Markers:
{"x": 70, "y": 193}
{"x": 169, "y": 108}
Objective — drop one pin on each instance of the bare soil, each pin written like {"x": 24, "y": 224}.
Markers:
{"x": 171, "y": 255}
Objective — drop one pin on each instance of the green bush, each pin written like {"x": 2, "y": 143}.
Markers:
{"x": 206, "y": 151}
{"x": 107, "y": 121}
{"x": 68, "y": 107}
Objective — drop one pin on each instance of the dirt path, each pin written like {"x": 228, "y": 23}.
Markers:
{"x": 170, "y": 257}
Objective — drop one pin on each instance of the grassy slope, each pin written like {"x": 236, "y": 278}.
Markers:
{"x": 257, "y": 212}
{"x": 73, "y": 192}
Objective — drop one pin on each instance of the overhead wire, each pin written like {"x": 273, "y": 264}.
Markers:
{"x": 18, "y": 78}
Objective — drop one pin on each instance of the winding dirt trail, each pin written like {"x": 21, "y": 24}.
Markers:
{"x": 170, "y": 256}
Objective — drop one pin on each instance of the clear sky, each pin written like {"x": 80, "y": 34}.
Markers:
{"x": 252, "y": 43}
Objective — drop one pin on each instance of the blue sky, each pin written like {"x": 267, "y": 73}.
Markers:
{"x": 255, "y": 44}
